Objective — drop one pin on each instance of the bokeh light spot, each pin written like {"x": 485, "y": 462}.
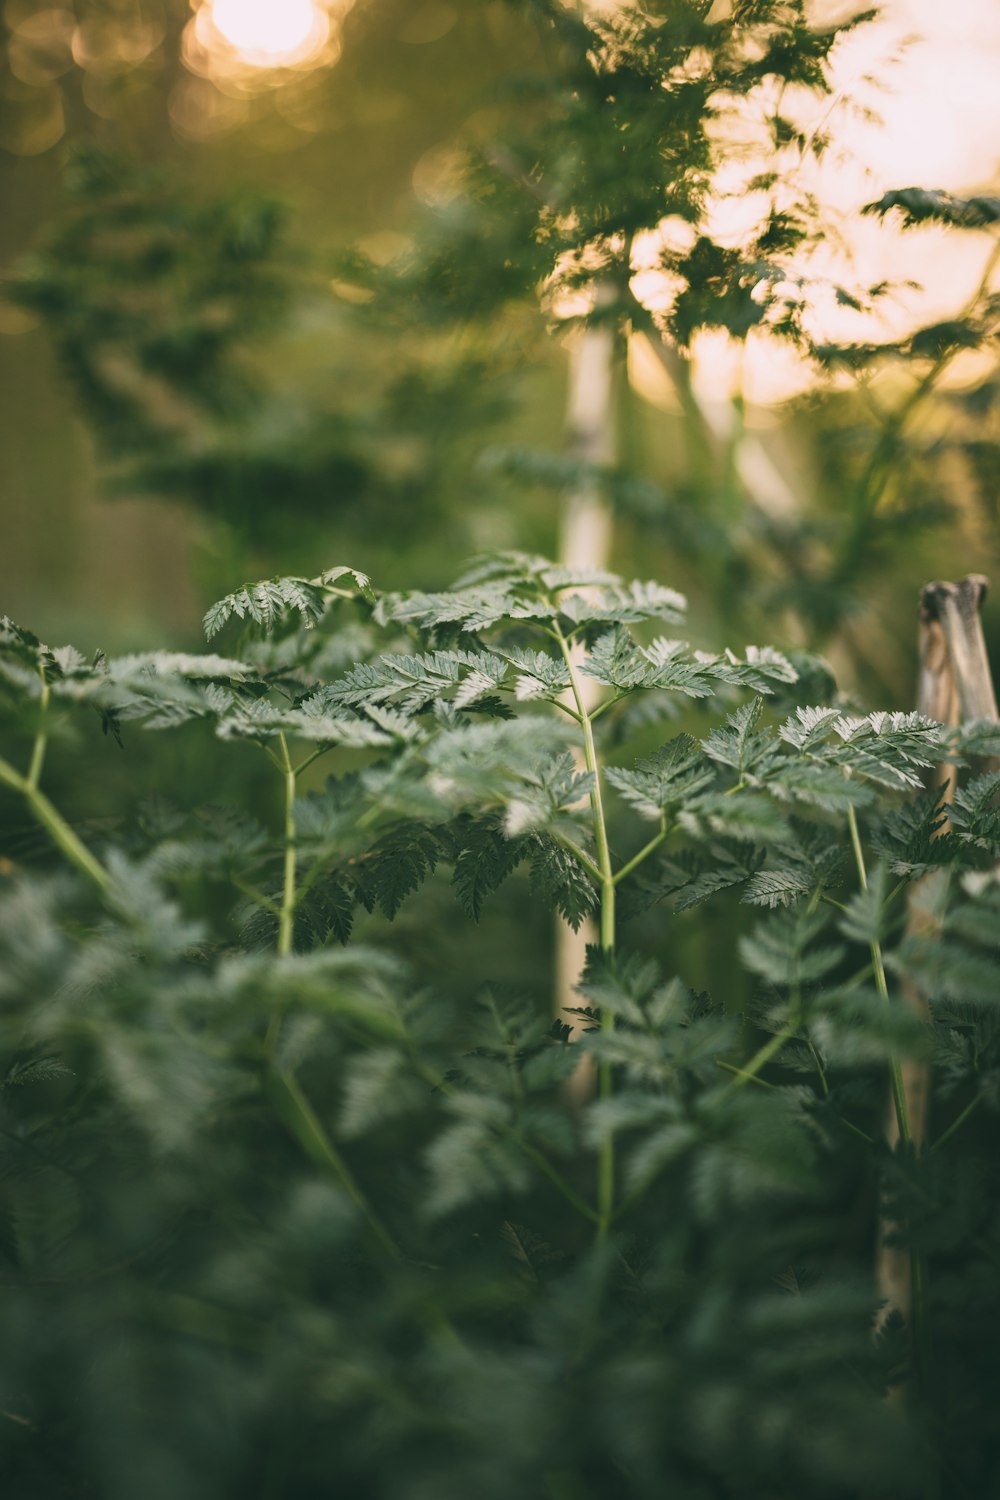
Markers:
{"x": 269, "y": 32}
{"x": 249, "y": 47}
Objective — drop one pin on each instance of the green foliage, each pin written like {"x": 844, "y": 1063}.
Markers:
{"x": 161, "y": 371}
{"x": 168, "y": 309}
{"x": 305, "y": 1195}
{"x": 264, "y": 602}
{"x": 922, "y": 206}
{"x": 290, "y": 1204}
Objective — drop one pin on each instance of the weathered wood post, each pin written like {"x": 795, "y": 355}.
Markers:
{"x": 954, "y": 687}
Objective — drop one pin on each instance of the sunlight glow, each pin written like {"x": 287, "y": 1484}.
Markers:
{"x": 269, "y": 32}
{"x": 245, "y": 47}
{"x": 915, "y": 101}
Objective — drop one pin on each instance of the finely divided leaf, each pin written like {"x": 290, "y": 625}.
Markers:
{"x": 624, "y": 604}
{"x": 739, "y": 745}
{"x": 558, "y": 877}
{"x": 272, "y": 599}
{"x": 413, "y": 684}
{"x": 395, "y": 866}
{"x": 975, "y": 814}
{"x": 667, "y": 778}
{"x": 484, "y": 857}
{"x": 776, "y": 888}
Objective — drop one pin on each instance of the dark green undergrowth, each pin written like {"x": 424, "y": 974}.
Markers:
{"x": 292, "y": 1211}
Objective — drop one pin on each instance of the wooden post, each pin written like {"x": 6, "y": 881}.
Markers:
{"x": 955, "y": 687}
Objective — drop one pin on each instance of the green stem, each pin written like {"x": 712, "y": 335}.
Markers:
{"x": 605, "y": 707}
{"x": 881, "y": 985}
{"x": 41, "y": 738}
{"x": 558, "y": 1181}
{"x": 286, "y": 912}
{"x": 644, "y": 852}
{"x": 315, "y": 755}
{"x": 819, "y": 1068}
{"x": 920, "y": 1319}
{"x": 51, "y": 820}
{"x": 320, "y": 867}
{"x": 284, "y": 1088}
{"x": 762, "y": 1057}
{"x": 957, "y": 1123}
{"x": 765, "y": 1084}
{"x": 56, "y": 826}
{"x": 728, "y": 1067}
{"x": 286, "y": 922}
{"x": 256, "y": 896}
{"x": 606, "y": 1150}
{"x": 596, "y": 799}
{"x": 303, "y": 1122}
{"x": 579, "y": 854}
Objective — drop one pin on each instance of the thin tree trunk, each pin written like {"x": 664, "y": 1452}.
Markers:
{"x": 585, "y": 542}
{"x": 766, "y": 486}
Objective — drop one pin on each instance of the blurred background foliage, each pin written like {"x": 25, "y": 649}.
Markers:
{"x": 288, "y": 285}
{"x": 269, "y": 309}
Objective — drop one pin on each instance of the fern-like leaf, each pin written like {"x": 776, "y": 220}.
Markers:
{"x": 273, "y": 599}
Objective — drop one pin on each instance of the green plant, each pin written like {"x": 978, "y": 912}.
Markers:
{"x": 283, "y": 1215}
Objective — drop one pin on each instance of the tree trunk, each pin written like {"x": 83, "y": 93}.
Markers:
{"x": 585, "y": 542}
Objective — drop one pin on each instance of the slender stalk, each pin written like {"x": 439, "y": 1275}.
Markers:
{"x": 741, "y": 1073}
{"x": 579, "y": 854}
{"x": 303, "y": 1122}
{"x": 728, "y": 1067}
{"x": 258, "y": 897}
{"x": 607, "y": 928}
{"x": 819, "y": 1068}
{"x": 558, "y": 1181}
{"x": 920, "y": 1318}
{"x": 882, "y": 986}
{"x": 282, "y": 1085}
{"x": 644, "y": 852}
{"x": 957, "y": 1123}
{"x": 762, "y": 1057}
{"x": 56, "y": 826}
{"x": 291, "y": 1102}
{"x": 41, "y": 738}
{"x": 606, "y": 1150}
{"x": 286, "y": 922}
{"x": 50, "y": 818}
{"x": 312, "y": 756}
{"x": 286, "y": 912}
{"x": 770, "y": 1049}
{"x": 605, "y": 707}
